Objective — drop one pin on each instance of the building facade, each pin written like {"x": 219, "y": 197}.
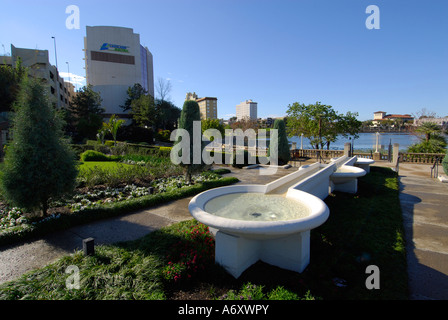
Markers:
{"x": 39, "y": 66}
{"x": 115, "y": 60}
{"x": 381, "y": 116}
{"x": 443, "y": 122}
{"x": 247, "y": 110}
{"x": 208, "y": 106}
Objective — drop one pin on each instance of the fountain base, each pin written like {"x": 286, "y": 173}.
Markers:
{"x": 237, "y": 253}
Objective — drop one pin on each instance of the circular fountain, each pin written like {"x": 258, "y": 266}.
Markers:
{"x": 251, "y": 225}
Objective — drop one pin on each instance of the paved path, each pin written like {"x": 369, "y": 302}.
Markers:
{"x": 424, "y": 203}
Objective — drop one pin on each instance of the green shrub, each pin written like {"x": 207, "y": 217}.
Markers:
{"x": 109, "y": 143}
{"x": 445, "y": 163}
{"x": 92, "y": 155}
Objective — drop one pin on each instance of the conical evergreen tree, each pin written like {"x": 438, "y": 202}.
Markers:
{"x": 38, "y": 164}
{"x": 190, "y": 113}
{"x": 282, "y": 141}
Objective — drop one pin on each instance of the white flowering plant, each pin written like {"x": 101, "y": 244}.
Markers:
{"x": 12, "y": 219}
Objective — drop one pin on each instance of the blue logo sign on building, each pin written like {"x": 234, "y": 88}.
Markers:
{"x": 114, "y": 47}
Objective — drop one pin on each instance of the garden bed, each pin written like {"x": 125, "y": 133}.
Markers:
{"x": 105, "y": 189}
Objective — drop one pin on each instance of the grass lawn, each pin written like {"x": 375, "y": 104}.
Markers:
{"x": 177, "y": 262}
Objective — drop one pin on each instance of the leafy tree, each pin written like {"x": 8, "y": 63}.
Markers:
{"x": 10, "y": 78}
{"x": 167, "y": 115}
{"x": 190, "y": 113}
{"x": 282, "y": 142}
{"x": 134, "y": 93}
{"x": 143, "y": 111}
{"x": 315, "y": 121}
{"x": 39, "y": 165}
{"x": 86, "y": 113}
{"x": 212, "y": 124}
{"x": 320, "y": 123}
{"x": 245, "y": 124}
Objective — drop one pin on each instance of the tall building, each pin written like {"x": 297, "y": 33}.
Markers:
{"x": 115, "y": 60}
{"x": 208, "y": 106}
{"x": 246, "y": 110}
{"x": 39, "y": 66}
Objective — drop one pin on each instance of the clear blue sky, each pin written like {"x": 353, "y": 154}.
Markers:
{"x": 273, "y": 52}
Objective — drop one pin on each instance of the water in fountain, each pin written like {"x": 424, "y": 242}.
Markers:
{"x": 256, "y": 207}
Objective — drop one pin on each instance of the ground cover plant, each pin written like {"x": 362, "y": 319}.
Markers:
{"x": 176, "y": 262}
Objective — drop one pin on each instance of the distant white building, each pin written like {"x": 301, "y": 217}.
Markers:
{"x": 246, "y": 110}
{"x": 439, "y": 121}
{"x": 115, "y": 60}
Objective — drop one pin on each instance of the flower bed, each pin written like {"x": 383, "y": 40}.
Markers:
{"x": 90, "y": 204}
{"x": 190, "y": 255}
{"x": 12, "y": 219}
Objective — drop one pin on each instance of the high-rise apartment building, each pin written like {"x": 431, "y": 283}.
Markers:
{"x": 39, "y": 66}
{"x": 208, "y": 106}
{"x": 115, "y": 60}
{"x": 246, "y": 110}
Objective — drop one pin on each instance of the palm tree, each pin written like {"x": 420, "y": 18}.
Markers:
{"x": 428, "y": 129}
{"x": 113, "y": 125}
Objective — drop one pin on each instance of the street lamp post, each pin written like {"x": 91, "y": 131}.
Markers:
{"x": 377, "y": 140}
{"x": 301, "y": 141}
{"x": 55, "y": 52}
{"x": 68, "y": 68}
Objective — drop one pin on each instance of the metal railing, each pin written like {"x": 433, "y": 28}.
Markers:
{"x": 435, "y": 168}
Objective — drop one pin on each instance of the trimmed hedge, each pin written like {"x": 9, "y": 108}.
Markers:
{"x": 111, "y": 210}
{"x": 92, "y": 155}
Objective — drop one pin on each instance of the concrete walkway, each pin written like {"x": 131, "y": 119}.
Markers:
{"x": 424, "y": 203}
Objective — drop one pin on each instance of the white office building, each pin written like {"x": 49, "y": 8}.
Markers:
{"x": 115, "y": 60}
{"x": 246, "y": 110}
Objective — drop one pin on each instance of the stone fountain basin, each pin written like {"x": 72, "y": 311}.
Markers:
{"x": 317, "y": 214}
{"x": 346, "y": 174}
{"x": 364, "y": 163}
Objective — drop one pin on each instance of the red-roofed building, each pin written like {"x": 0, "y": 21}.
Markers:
{"x": 381, "y": 116}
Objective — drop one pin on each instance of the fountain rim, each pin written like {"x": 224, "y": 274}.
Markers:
{"x": 319, "y": 213}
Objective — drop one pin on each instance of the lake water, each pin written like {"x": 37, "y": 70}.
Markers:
{"x": 366, "y": 141}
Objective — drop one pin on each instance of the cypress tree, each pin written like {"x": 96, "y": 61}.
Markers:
{"x": 38, "y": 164}
{"x": 282, "y": 140}
{"x": 190, "y": 113}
